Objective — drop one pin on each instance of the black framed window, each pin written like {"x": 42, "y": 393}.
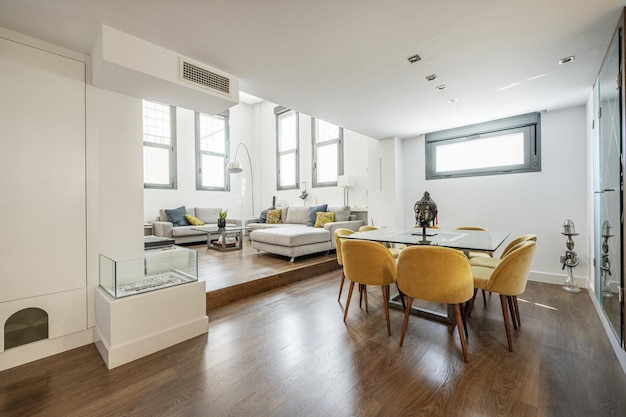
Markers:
{"x": 504, "y": 146}
{"x": 212, "y": 145}
{"x": 159, "y": 145}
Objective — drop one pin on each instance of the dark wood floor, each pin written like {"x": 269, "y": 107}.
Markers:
{"x": 288, "y": 353}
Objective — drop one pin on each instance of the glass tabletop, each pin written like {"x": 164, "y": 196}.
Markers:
{"x": 215, "y": 229}
{"x": 457, "y": 239}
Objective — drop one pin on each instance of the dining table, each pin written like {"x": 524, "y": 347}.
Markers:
{"x": 464, "y": 240}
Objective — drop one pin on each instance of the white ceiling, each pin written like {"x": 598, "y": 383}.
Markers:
{"x": 345, "y": 61}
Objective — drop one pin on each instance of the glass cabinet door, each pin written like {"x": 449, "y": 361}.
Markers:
{"x": 608, "y": 189}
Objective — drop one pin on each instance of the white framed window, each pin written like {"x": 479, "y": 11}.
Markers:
{"x": 287, "y": 149}
{"x": 504, "y": 146}
{"x": 159, "y": 145}
{"x": 327, "y": 141}
{"x": 212, "y": 145}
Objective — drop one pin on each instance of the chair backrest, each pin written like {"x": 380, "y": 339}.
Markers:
{"x": 367, "y": 262}
{"x": 342, "y": 231}
{"x": 517, "y": 241}
{"x": 471, "y": 228}
{"x": 435, "y": 273}
{"x": 511, "y": 274}
{"x": 367, "y": 228}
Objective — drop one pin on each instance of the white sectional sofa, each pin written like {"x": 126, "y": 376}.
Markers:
{"x": 295, "y": 236}
{"x": 164, "y": 227}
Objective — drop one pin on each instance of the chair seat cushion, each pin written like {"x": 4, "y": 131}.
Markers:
{"x": 481, "y": 276}
{"x": 485, "y": 262}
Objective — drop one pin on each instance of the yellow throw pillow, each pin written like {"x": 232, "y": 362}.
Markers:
{"x": 194, "y": 220}
{"x": 273, "y": 216}
{"x": 323, "y": 217}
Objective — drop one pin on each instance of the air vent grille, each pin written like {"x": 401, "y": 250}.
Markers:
{"x": 205, "y": 78}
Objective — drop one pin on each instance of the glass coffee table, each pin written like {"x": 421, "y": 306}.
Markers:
{"x": 230, "y": 237}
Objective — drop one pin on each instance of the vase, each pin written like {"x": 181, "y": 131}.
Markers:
{"x": 221, "y": 223}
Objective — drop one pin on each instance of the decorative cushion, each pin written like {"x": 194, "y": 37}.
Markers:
{"x": 323, "y": 217}
{"x": 194, "y": 220}
{"x": 273, "y": 216}
{"x": 313, "y": 213}
{"x": 342, "y": 213}
{"x": 206, "y": 214}
{"x": 177, "y": 216}
{"x": 297, "y": 215}
{"x": 263, "y": 216}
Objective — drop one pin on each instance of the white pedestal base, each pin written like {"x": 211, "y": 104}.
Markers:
{"x": 133, "y": 327}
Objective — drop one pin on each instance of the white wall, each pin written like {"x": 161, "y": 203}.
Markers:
{"x": 518, "y": 203}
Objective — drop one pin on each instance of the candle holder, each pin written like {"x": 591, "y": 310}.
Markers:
{"x": 570, "y": 259}
{"x": 605, "y": 266}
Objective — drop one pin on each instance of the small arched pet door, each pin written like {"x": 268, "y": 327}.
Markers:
{"x": 25, "y": 326}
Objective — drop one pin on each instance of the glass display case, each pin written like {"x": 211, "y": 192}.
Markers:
{"x": 160, "y": 267}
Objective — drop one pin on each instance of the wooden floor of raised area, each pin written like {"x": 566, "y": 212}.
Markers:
{"x": 237, "y": 274}
{"x": 289, "y": 353}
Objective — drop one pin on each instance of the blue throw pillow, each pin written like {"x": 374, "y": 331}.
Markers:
{"x": 263, "y": 216}
{"x": 313, "y": 214}
{"x": 177, "y": 216}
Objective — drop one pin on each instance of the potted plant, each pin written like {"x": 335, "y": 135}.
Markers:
{"x": 221, "y": 218}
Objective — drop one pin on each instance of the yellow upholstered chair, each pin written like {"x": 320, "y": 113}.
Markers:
{"x": 437, "y": 274}
{"x": 394, "y": 251}
{"x": 368, "y": 263}
{"x": 476, "y": 253}
{"x": 493, "y": 262}
{"x": 338, "y": 242}
{"x": 508, "y": 279}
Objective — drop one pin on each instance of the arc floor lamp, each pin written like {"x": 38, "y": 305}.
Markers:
{"x": 234, "y": 167}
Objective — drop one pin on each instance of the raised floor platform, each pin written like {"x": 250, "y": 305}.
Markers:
{"x": 231, "y": 276}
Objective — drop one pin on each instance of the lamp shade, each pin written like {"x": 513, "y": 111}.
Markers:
{"x": 234, "y": 167}
{"x": 345, "y": 181}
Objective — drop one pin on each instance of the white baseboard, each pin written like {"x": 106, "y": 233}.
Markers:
{"x": 556, "y": 279}
{"x": 40, "y": 349}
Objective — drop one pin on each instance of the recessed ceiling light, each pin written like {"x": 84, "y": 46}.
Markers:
{"x": 567, "y": 60}
{"x": 453, "y": 100}
{"x": 413, "y": 59}
{"x": 431, "y": 77}
{"x": 441, "y": 87}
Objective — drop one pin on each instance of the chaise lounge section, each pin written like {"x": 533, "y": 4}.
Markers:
{"x": 295, "y": 234}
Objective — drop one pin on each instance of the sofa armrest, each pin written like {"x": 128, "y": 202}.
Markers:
{"x": 350, "y": 224}
{"x": 162, "y": 229}
{"x": 233, "y": 221}
{"x": 251, "y": 220}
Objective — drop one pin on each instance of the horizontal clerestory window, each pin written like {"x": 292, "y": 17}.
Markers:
{"x": 504, "y": 146}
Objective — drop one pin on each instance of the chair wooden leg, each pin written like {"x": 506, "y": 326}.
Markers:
{"x": 509, "y": 300}
{"x": 463, "y": 308}
{"x": 401, "y": 297}
{"x": 345, "y": 313}
{"x": 364, "y": 288}
{"x": 343, "y": 278}
{"x": 519, "y": 321}
{"x": 470, "y": 303}
{"x": 459, "y": 324}
{"x": 507, "y": 326}
{"x": 386, "y": 305}
{"x": 484, "y": 298}
{"x": 407, "y": 313}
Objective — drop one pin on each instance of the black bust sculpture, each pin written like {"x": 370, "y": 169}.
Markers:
{"x": 425, "y": 211}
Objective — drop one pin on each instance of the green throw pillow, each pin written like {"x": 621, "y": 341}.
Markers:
{"x": 323, "y": 217}
{"x": 194, "y": 220}
{"x": 273, "y": 216}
